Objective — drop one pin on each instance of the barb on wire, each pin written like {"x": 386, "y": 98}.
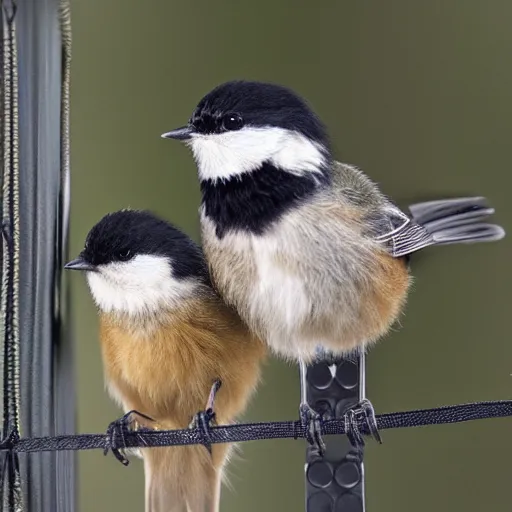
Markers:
{"x": 261, "y": 431}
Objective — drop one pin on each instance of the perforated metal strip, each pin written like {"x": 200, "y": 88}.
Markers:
{"x": 335, "y": 483}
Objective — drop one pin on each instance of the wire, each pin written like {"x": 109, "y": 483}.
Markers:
{"x": 258, "y": 431}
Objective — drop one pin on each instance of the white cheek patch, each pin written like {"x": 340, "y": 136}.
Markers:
{"x": 224, "y": 155}
{"x": 144, "y": 284}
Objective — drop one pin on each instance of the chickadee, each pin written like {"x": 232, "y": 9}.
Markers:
{"x": 307, "y": 249}
{"x": 166, "y": 337}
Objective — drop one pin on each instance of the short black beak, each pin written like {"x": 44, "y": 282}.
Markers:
{"x": 183, "y": 133}
{"x": 80, "y": 264}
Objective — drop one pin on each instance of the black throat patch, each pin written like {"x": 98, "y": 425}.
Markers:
{"x": 253, "y": 201}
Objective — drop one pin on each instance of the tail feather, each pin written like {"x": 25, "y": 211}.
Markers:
{"x": 452, "y": 221}
{"x": 163, "y": 492}
{"x": 183, "y": 479}
{"x": 469, "y": 234}
{"x": 427, "y": 211}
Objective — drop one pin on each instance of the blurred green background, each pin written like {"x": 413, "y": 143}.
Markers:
{"x": 419, "y": 95}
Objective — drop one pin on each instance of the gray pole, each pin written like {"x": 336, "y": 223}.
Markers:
{"x": 46, "y": 374}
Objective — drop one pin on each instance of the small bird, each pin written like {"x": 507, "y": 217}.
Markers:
{"x": 307, "y": 249}
{"x": 167, "y": 339}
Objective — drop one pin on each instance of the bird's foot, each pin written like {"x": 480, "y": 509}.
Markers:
{"x": 312, "y": 422}
{"x": 116, "y": 433}
{"x": 361, "y": 414}
{"x": 205, "y": 420}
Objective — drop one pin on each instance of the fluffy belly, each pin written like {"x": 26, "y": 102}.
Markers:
{"x": 297, "y": 303}
{"x": 297, "y": 315}
{"x": 279, "y": 305}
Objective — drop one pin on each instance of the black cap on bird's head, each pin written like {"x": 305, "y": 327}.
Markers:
{"x": 123, "y": 235}
{"x": 240, "y": 125}
{"x": 133, "y": 258}
{"x": 233, "y": 105}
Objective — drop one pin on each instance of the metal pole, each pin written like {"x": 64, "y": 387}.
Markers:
{"x": 47, "y": 403}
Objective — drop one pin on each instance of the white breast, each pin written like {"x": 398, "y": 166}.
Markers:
{"x": 275, "y": 302}
{"x": 279, "y": 294}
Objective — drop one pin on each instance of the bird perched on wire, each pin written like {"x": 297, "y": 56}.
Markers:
{"x": 167, "y": 339}
{"x": 307, "y": 249}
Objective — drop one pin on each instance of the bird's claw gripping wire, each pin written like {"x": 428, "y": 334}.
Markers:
{"x": 312, "y": 423}
{"x": 360, "y": 415}
{"x": 204, "y": 420}
{"x": 117, "y": 430}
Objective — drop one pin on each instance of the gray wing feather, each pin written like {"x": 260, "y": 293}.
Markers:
{"x": 440, "y": 222}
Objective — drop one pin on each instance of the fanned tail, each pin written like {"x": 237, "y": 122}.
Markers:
{"x": 451, "y": 221}
{"x": 441, "y": 222}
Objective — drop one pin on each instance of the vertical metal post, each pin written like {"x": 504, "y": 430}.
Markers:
{"x": 46, "y": 356}
{"x": 335, "y": 483}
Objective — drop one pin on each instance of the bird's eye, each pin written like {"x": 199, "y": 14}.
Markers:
{"x": 232, "y": 122}
{"x": 125, "y": 255}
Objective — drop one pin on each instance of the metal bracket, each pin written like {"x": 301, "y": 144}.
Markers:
{"x": 334, "y": 483}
